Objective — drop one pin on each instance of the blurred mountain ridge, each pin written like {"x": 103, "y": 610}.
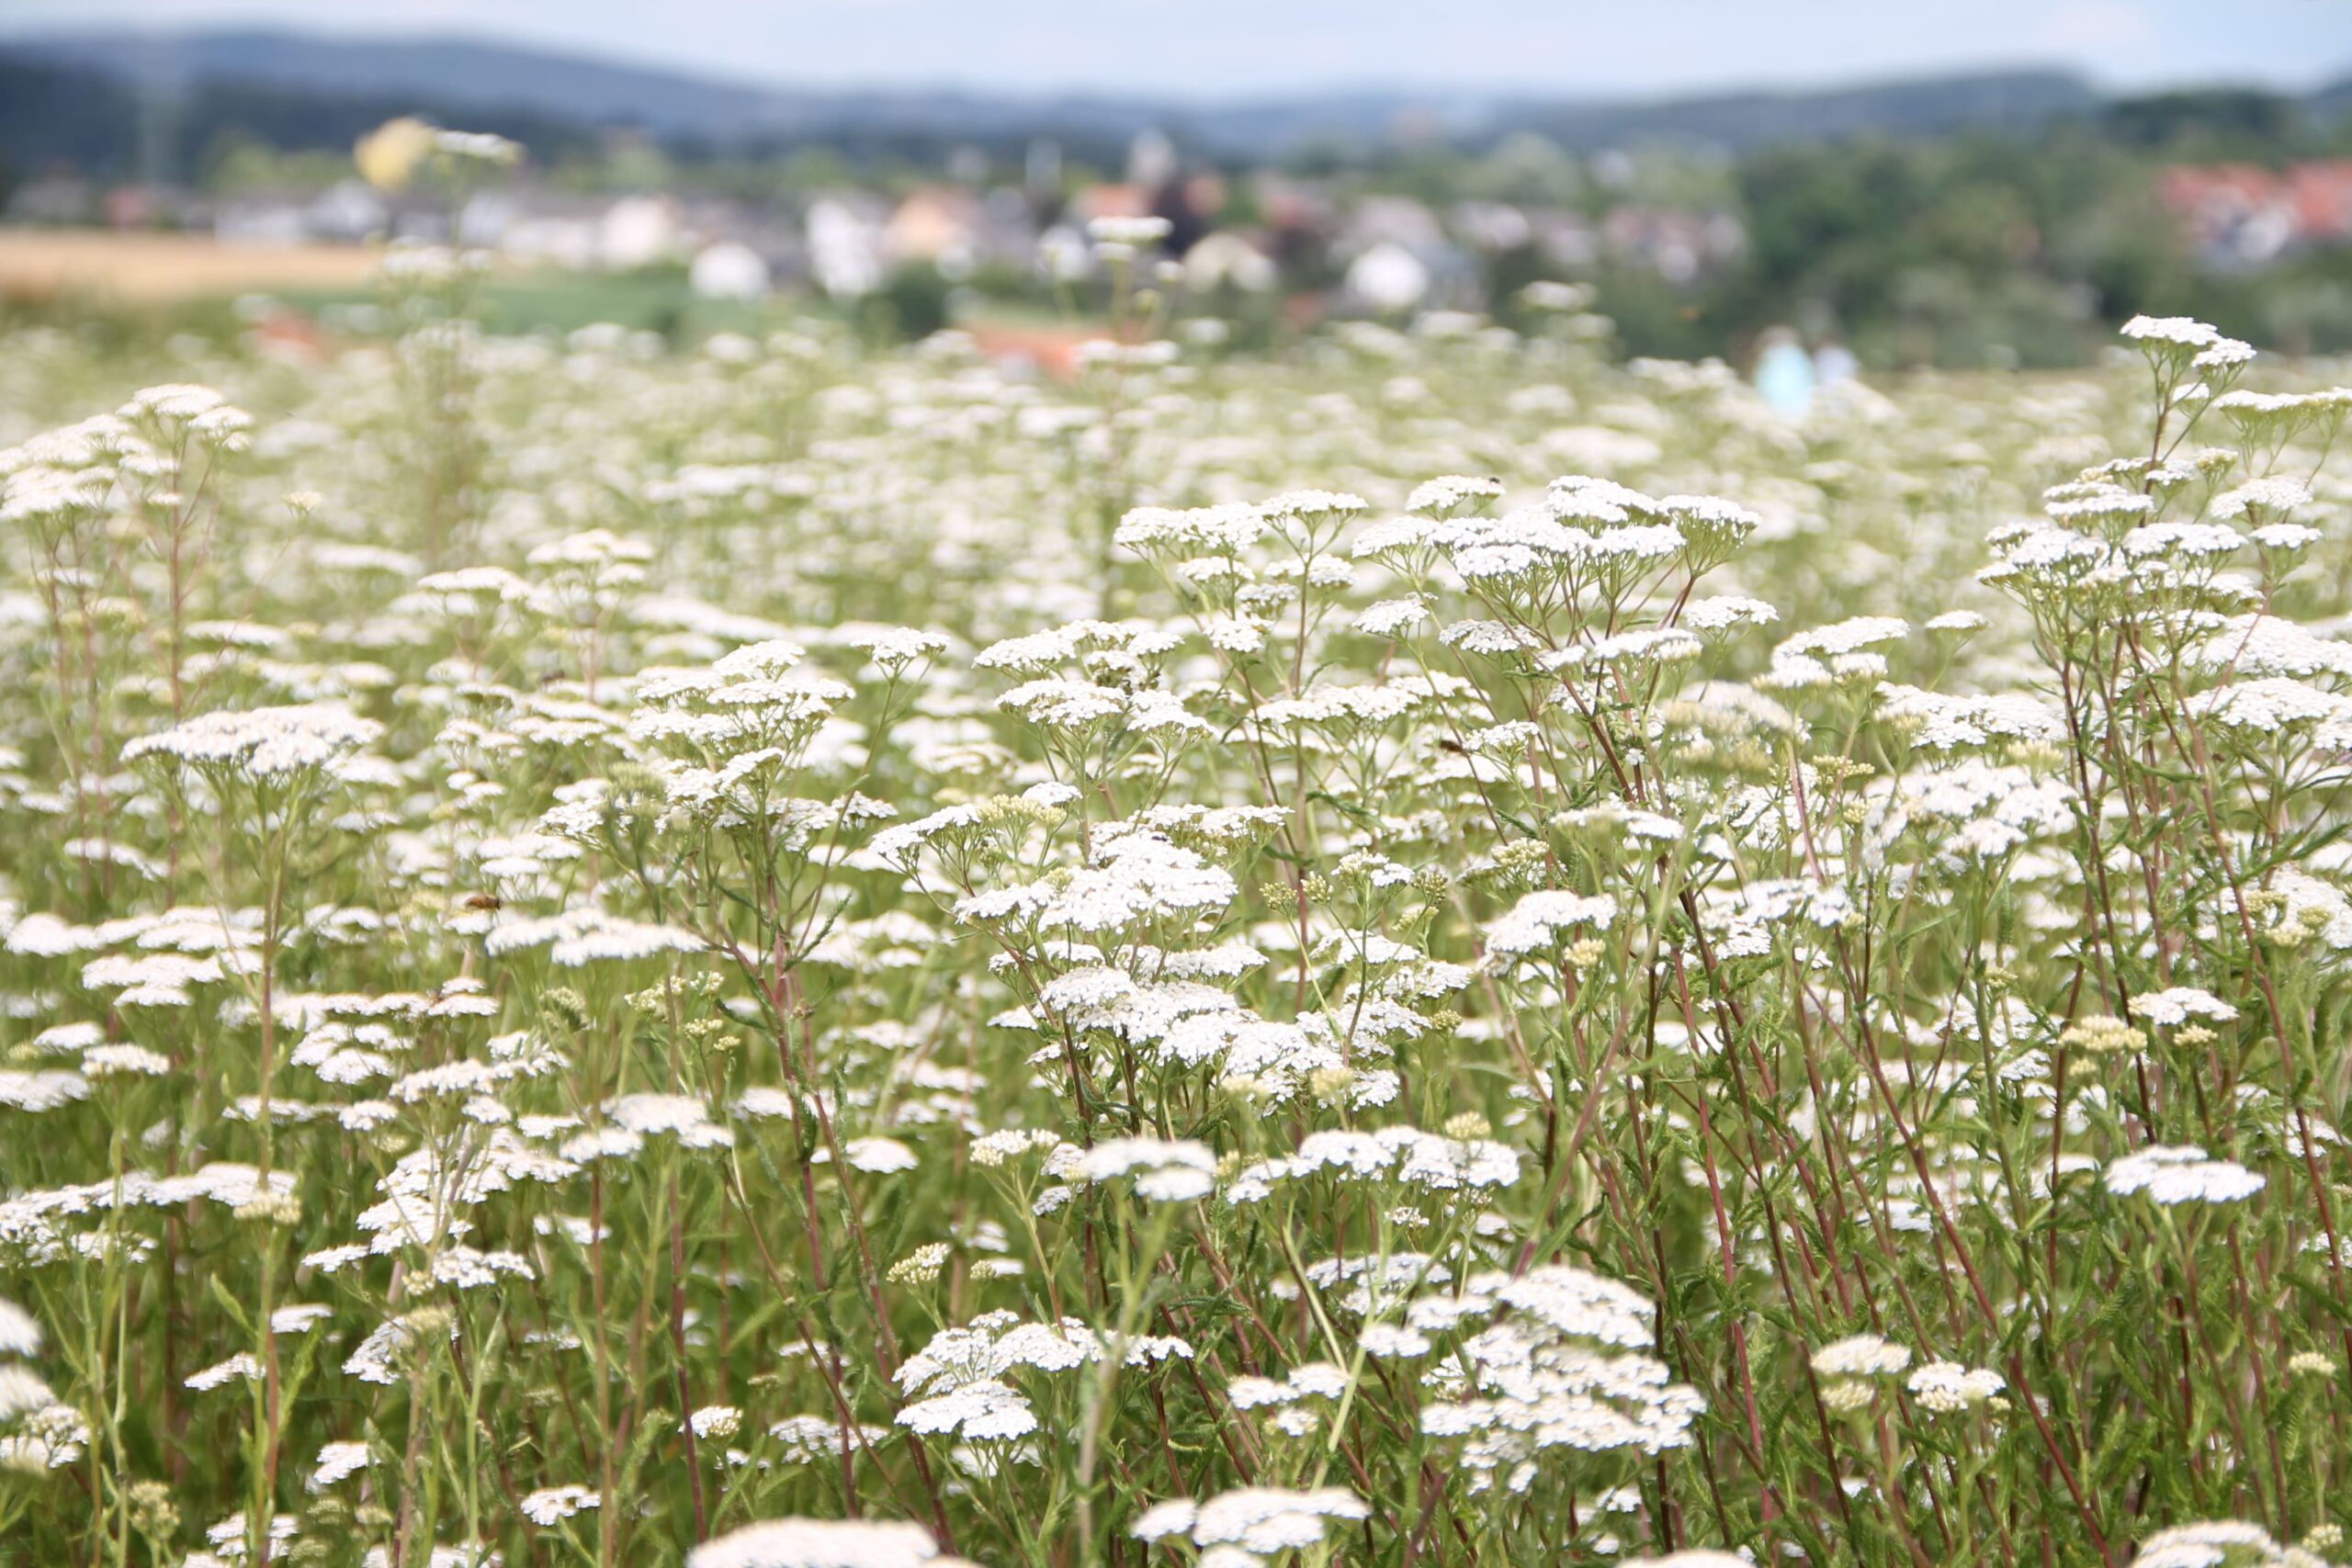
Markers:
{"x": 460, "y": 73}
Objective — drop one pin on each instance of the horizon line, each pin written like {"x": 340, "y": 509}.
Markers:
{"x": 1488, "y": 92}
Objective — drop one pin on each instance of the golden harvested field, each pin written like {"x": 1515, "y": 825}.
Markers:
{"x": 148, "y": 269}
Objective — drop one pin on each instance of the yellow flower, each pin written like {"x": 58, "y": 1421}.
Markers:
{"x": 388, "y": 154}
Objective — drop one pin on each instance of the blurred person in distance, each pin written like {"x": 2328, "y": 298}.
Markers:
{"x": 1784, "y": 373}
{"x": 1834, "y": 362}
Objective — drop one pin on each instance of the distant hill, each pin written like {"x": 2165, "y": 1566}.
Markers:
{"x": 447, "y": 70}
{"x": 470, "y": 73}
{"x": 312, "y": 88}
{"x": 2331, "y": 103}
{"x": 1925, "y": 106}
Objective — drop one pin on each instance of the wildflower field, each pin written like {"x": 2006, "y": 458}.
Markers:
{"x": 1434, "y": 951}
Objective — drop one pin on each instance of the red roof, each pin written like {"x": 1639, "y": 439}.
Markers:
{"x": 2322, "y": 197}
{"x": 2317, "y": 194}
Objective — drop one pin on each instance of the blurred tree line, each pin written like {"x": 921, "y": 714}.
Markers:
{"x": 1977, "y": 248}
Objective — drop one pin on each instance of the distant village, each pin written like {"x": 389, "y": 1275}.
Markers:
{"x": 2241, "y": 216}
{"x": 1660, "y": 230}
{"x": 1368, "y": 255}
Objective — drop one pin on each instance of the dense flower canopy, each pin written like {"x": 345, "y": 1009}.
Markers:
{"x": 779, "y": 955}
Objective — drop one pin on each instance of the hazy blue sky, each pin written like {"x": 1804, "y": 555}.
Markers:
{"x": 1238, "y": 46}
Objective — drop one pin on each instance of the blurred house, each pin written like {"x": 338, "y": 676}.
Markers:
{"x": 155, "y": 206}
{"x": 262, "y": 218}
{"x": 2323, "y": 198}
{"x": 2239, "y": 216}
{"x": 1490, "y": 225}
{"x": 958, "y": 230}
{"x": 1063, "y": 251}
{"x": 1388, "y": 277}
{"x": 347, "y": 212}
{"x": 1123, "y": 201}
{"x": 1292, "y": 205}
{"x": 939, "y": 224}
{"x": 847, "y": 248}
{"x": 769, "y": 232}
{"x": 1675, "y": 243}
{"x": 1565, "y": 238}
{"x": 131, "y": 206}
{"x": 1064, "y": 254}
{"x": 53, "y": 200}
{"x": 1228, "y": 260}
{"x": 1396, "y": 257}
{"x": 1151, "y": 160}
{"x": 544, "y": 228}
{"x": 1392, "y": 220}
{"x": 1568, "y": 238}
{"x": 639, "y": 230}
{"x": 729, "y": 270}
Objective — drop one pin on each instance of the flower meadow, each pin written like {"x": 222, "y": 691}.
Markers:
{"x": 1435, "y": 951}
